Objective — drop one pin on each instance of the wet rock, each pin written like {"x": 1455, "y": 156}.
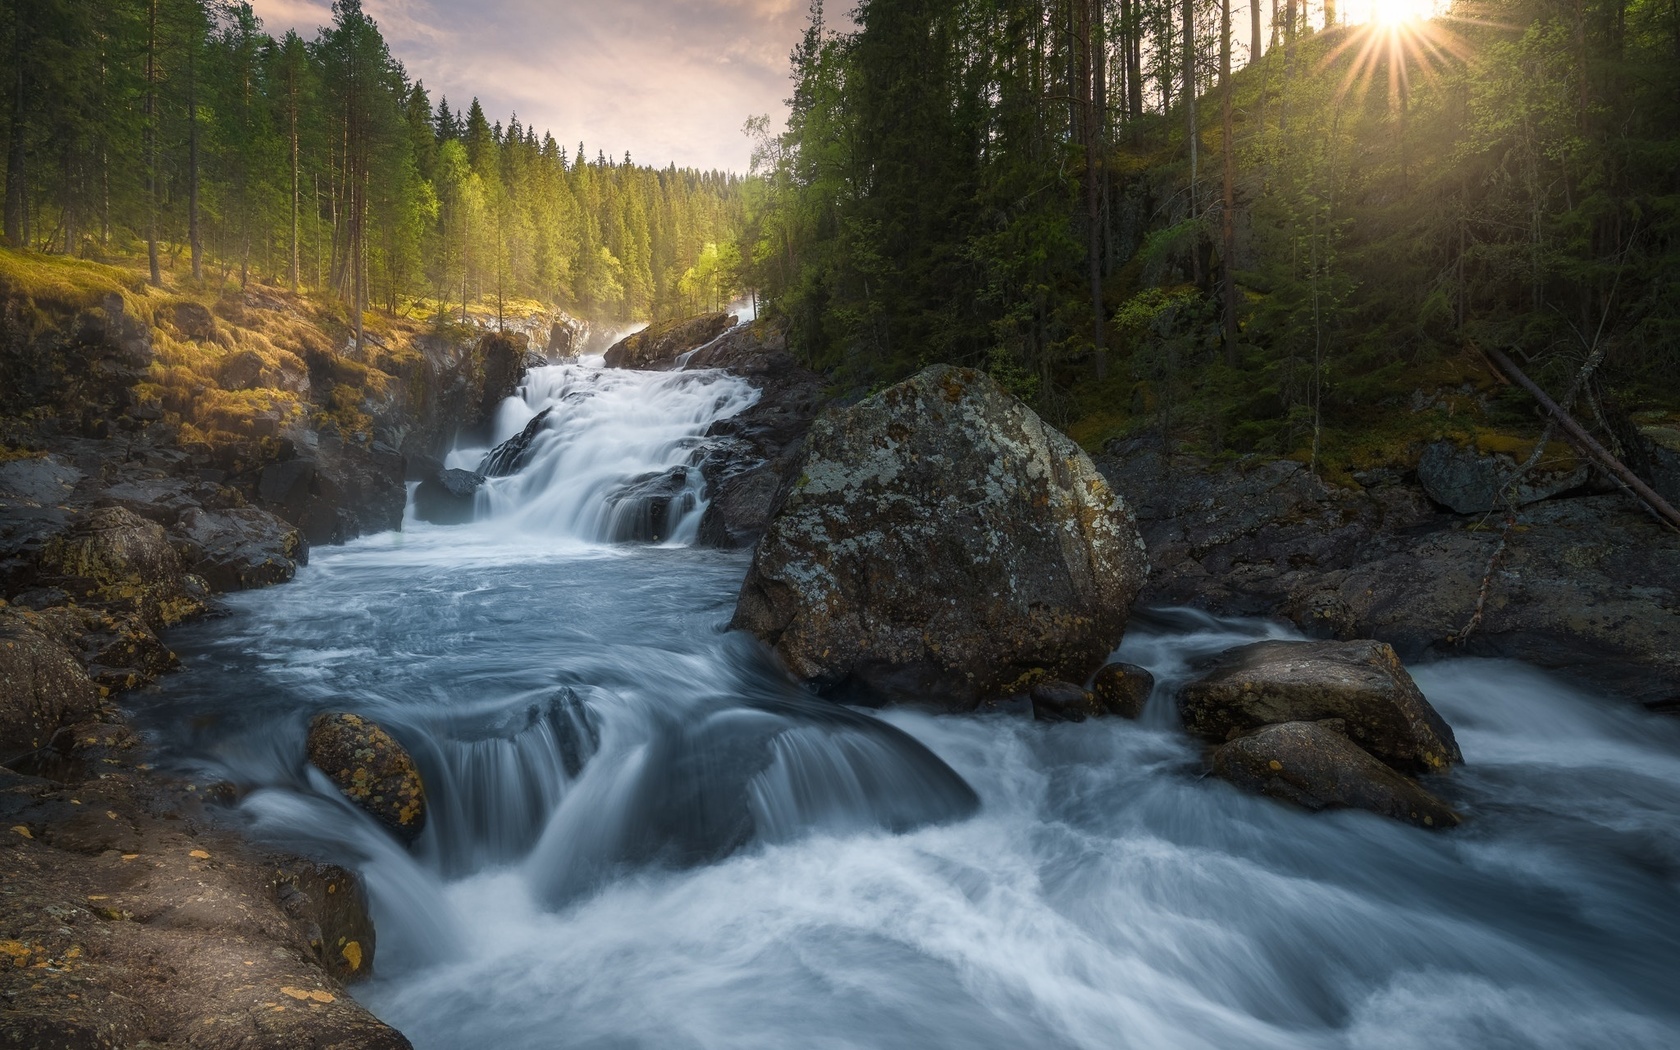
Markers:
{"x": 659, "y": 345}
{"x": 42, "y": 688}
{"x": 336, "y": 490}
{"x": 503, "y": 357}
{"x": 448, "y": 497}
{"x": 331, "y": 904}
{"x": 511, "y": 456}
{"x": 117, "y": 558}
{"x": 38, "y": 480}
{"x": 1123, "y": 689}
{"x": 742, "y": 505}
{"x": 1313, "y": 765}
{"x": 1362, "y": 683}
{"x": 942, "y": 544}
{"x": 1661, "y": 448}
{"x": 372, "y": 769}
{"x": 241, "y": 548}
{"x": 647, "y": 509}
{"x": 562, "y": 341}
{"x": 1470, "y": 481}
{"x": 1056, "y": 701}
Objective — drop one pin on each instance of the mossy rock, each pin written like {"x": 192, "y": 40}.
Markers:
{"x": 372, "y": 770}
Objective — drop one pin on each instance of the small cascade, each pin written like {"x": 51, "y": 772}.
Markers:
{"x": 603, "y": 455}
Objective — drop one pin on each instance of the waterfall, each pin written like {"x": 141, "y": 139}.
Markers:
{"x": 615, "y": 458}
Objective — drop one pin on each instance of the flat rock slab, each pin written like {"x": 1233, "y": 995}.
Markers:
{"x": 1315, "y": 766}
{"x": 1363, "y": 683}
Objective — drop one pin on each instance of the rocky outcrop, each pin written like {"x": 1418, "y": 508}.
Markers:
{"x": 750, "y": 458}
{"x": 116, "y": 558}
{"x": 511, "y": 456}
{"x": 943, "y": 545}
{"x": 1588, "y": 587}
{"x": 1311, "y": 764}
{"x": 448, "y": 497}
{"x": 658, "y": 346}
{"x": 1123, "y": 689}
{"x": 1361, "y": 683}
{"x": 371, "y": 769}
{"x": 241, "y": 548}
{"x": 1469, "y": 481}
{"x": 43, "y": 690}
{"x": 334, "y": 490}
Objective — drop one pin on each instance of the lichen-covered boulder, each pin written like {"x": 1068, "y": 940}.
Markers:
{"x": 240, "y": 548}
{"x": 371, "y": 769}
{"x": 942, "y": 544}
{"x": 1363, "y": 683}
{"x": 1313, "y": 765}
{"x": 658, "y": 346}
{"x": 42, "y": 687}
{"x": 1123, "y": 689}
{"x": 331, "y": 905}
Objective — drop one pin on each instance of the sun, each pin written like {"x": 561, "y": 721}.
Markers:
{"x": 1395, "y": 40}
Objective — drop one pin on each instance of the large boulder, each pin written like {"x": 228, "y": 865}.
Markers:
{"x": 1123, "y": 689}
{"x": 1313, "y": 765}
{"x": 658, "y": 346}
{"x": 371, "y": 769}
{"x": 942, "y": 544}
{"x": 1363, "y": 683}
{"x": 42, "y": 687}
{"x": 1469, "y": 481}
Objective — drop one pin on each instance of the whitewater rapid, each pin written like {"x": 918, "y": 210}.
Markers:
{"x": 642, "y": 836}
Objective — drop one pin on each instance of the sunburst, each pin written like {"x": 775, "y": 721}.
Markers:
{"x": 1405, "y": 38}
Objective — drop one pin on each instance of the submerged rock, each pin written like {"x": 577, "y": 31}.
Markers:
{"x": 371, "y": 769}
{"x": 647, "y": 509}
{"x": 942, "y": 544}
{"x": 448, "y": 497}
{"x": 659, "y": 345}
{"x": 1055, "y": 701}
{"x": 1362, "y": 683}
{"x": 1470, "y": 481}
{"x": 1123, "y": 689}
{"x": 511, "y": 456}
{"x": 1313, "y": 765}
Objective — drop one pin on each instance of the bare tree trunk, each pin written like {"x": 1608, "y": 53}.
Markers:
{"x": 294, "y": 129}
{"x": 17, "y": 154}
{"x": 194, "y": 236}
{"x": 1256, "y": 49}
{"x": 1228, "y": 223}
{"x": 1188, "y": 10}
{"x": 152, "y": 146}
{"x": 1085, "y": 98}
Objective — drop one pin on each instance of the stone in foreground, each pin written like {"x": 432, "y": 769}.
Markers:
{"x": 1123, "y": 689}
{"x": 942, "y": 544}
{"x": 1313, "y": 765}
{"x": 1362, "y": 683}
{"x": 371, "y": 769}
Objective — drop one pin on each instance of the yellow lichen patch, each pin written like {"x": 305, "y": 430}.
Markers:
{"x": 199, "y": 854}
{"x": 322, "y": 997}
{"x": 1275, "y": 766}
{"x": 300, "y": 994}
{"x": 19, "y": 829}
{"x": 352, "y": 953}
{"x": 17, "y": 951}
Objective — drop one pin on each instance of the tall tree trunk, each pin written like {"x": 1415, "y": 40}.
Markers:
{"x": 1192, "y": 136}
{"x": 1329, "y": 13}
{"x": 1256, "y": 49}
{"x": 1086, "y": 43}
{"x": 195, "y": 236}
{"x": 294, "y": 130}
{"x": 152, "y": 145}
{"x": 1228, "y": 224}
{"x": 17, "y": 153}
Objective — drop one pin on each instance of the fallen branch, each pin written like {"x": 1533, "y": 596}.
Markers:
{"x": 1589, "y": 447}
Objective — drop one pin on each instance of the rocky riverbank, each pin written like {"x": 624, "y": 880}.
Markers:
{"x": 156, "y": 451}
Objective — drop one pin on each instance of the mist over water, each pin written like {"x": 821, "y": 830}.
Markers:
{"x": 641, "y": 835}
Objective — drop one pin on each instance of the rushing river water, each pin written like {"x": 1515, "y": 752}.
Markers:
{"x": 642, "y": 836}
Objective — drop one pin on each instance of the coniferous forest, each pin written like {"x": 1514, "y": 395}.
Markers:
{"x": 180, "y": 133}
{"x": 1145, "y": 524}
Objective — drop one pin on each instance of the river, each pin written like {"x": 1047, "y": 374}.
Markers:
{"x": 641, "y": 835}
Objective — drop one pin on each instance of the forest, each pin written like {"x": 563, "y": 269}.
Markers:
{"x": 179, "y": 135}
{"x": 1127, "y": 214}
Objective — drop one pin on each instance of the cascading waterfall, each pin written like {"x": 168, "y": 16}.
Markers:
{"x": 641, "y": 835}
{"x": 613, "y": 460}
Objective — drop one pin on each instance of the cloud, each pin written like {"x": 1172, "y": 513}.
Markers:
{"x": 667, "y": 80}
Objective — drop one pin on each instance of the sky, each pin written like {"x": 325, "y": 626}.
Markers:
{"x": 667, "y": 80}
